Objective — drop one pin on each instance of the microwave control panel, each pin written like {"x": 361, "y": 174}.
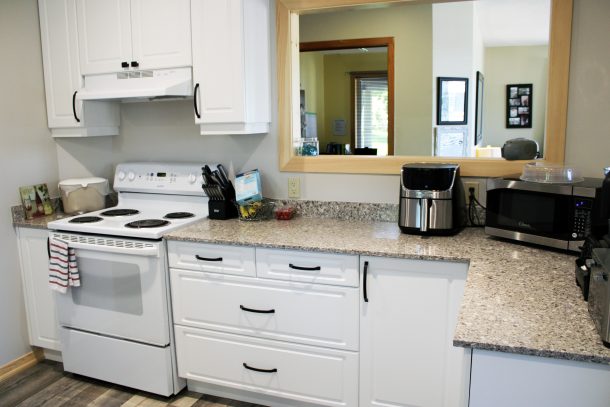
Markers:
{"x": 582, "y": 217}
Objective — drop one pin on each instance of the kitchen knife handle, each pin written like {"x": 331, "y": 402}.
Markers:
{"x": 258, "y": 311}
{"x": 260, "y": 370}
{"x": 364, "y": 278}
{"x": 292, "y": 266}
{"x": 74, "y": 106}
{"x": 195, "y": 101}
{"x": 198, "y": 257}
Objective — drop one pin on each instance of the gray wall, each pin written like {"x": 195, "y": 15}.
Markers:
{"x": 164, "y": 130}
{"x": 27, "y": 155}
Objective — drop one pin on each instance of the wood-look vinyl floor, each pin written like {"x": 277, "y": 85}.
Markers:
{"x": 46, "y": 384}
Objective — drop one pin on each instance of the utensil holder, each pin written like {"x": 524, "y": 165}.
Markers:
{"x": 222, "y": 209}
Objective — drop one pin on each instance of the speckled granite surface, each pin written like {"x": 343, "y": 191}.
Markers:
{"x": 37, "y": 223}
{"x": 517, "y": 299}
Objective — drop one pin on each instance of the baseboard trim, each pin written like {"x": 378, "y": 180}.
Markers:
{"x": 20, "y": 364}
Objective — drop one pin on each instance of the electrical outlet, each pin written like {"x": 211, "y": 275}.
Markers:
{"x": 468, "y": 186}
{"x": 294, "y": 187}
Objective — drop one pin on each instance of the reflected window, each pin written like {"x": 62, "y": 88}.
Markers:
{"x": 370, "y": 107}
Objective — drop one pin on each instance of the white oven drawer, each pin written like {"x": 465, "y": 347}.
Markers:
{"x": 214, "y": 258}
{"x": 315, "y": 375}
{"x": 296, "y": 312}
{"x": 309, "y": 267}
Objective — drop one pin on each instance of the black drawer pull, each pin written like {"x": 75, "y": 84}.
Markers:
{"x": 292, "y": 266}
{"x": 74, "y": 106}
{"x": 259, "y": 370}
{"x": 198, "y": 257}
{"x": 364, "y": 293}
{"x": 258, "y": 311}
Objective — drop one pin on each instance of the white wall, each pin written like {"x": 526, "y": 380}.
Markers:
{"x": 27, "y": 155}
{"x": 588, "y": 141}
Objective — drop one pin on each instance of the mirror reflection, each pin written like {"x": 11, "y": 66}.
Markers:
{"x": 353, "y": 103}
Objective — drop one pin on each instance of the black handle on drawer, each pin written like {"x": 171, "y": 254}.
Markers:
{"x": 259, "y": 370}
{"x": 292, "y": 266}
{"x": 198, "y": 257}
{"x": 195, "y": 101}
{"x": 258, "y": 311}
{"x": 366, "y": 270}
{"x": 74, "y": 106}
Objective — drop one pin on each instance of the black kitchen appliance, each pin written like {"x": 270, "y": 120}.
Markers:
{"x": 599, "y": 293}
{"x": 554, "y": 215}
{"x": 432, "y": 199}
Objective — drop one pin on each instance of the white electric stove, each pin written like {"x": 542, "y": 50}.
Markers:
{"x": 117, "y": 326}
{"x": 153, "y": 199}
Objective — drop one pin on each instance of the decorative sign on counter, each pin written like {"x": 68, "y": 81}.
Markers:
{"x": 35, "y": 200}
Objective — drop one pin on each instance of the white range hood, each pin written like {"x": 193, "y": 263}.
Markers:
{"x": 146, "y": 84}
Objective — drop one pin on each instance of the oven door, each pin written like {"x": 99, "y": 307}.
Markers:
{"x": 123, "y": 290}
{"x": 535, "y": 213}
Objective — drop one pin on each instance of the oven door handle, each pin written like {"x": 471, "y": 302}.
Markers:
{"x": 110, "y": 245}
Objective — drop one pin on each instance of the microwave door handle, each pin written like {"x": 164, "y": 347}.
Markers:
{"x": 424, "y": 209}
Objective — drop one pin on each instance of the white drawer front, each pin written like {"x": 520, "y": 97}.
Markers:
{"x": 315, "y": 375}
{"x": 310, "y": 267}
{"x": 296, "y": 312}
{"x": 212, "y": 257}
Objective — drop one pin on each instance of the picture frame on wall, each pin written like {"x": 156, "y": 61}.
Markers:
{"x": 478, "y": 117}
{"x": 451, "y": 101}
{"x": 519, "y": 106}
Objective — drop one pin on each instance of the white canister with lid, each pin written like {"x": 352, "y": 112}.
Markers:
{"x": 83, "y": 194}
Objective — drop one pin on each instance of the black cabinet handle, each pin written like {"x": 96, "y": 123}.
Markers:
{"x": 134, "y": 64}
{"x": 195, "y": 101}
{"x": 366, "y": 270}
{"x": 259, "y": 370}
{"x": 292, "y": 266}
{"x": 258, "y": 311}
{"x": 124, "y": 64}
{"x": 74, "y": 106}
{"x": 49, "y": 247}
{"x": 198, "y": 257}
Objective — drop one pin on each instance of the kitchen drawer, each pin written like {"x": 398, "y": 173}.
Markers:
{"x": 295, "y": 312}
{"x": 214, "y": 258}
{"x": 309, "y": 267}
{"x": 320, "y": 376}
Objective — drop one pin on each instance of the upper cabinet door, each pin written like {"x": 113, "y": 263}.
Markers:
{"x": 161, "y": 33}
{"x": 104, "y": 33}
{"x": 218, "y": 64}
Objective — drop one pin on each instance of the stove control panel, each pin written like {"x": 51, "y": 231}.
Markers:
{"x": 162, "y": 178}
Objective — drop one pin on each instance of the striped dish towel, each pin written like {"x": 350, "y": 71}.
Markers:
{"x": 63, "y": 271}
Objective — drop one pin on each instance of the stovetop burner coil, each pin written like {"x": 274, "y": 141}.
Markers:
{"x": 179, "y": 215}
{"x": 120, "y": 212}
{"x": 147, "y": 223}
{"x": 86, "y": 219}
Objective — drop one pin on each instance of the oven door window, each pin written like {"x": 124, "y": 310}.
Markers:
{"x": 109, "y": 285}
{"x": 536, "y": 213}
{"x": 121, "y": 295}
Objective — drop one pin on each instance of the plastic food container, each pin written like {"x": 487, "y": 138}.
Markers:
{"x": 261, "y": 210}
{"x": 550, "y": 174}
{"x": 80, "y": 195}
{"x": 284, "y": 213}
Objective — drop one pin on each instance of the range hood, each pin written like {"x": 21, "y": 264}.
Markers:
{"x": 134, "y": 85}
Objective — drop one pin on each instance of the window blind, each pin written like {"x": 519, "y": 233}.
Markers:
{"x": 372, "y": 113}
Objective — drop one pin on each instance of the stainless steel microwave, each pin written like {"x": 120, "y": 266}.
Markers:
{"x": 553, "y": 215}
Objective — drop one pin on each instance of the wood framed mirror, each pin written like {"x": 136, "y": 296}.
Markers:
{"x": 287, "y": 20}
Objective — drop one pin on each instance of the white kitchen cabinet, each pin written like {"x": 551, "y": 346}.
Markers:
{"x": 231, "y": 66}
{"x": 213, "y": 258}
{"x": 506, "y": 380}
{"x": 311, "y": 314}
{"x": 406, "y": 332}
{"x": 316, "y": 375}
{"x": 133, "y": 34}
{"x": 43, "y": 326}
{"x": 67, "y": 116}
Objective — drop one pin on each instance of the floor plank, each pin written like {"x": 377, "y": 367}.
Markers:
{"x": 29, "y": 382}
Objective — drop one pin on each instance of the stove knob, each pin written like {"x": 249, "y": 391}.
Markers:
{"x": 192, "y": 178}
{"x": 121, "y": 175}
{"x": 131, "y": 176}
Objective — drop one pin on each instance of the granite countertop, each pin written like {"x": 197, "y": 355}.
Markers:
{"x": 517, "y": 299}
{"x": 35, "y": 223}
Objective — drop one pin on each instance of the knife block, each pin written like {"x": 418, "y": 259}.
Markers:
{"x": 222, "y": 209}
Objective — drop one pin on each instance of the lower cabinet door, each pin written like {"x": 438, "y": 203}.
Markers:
{"x": 309, "y": 374}
{"x": 407, "y": 357}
